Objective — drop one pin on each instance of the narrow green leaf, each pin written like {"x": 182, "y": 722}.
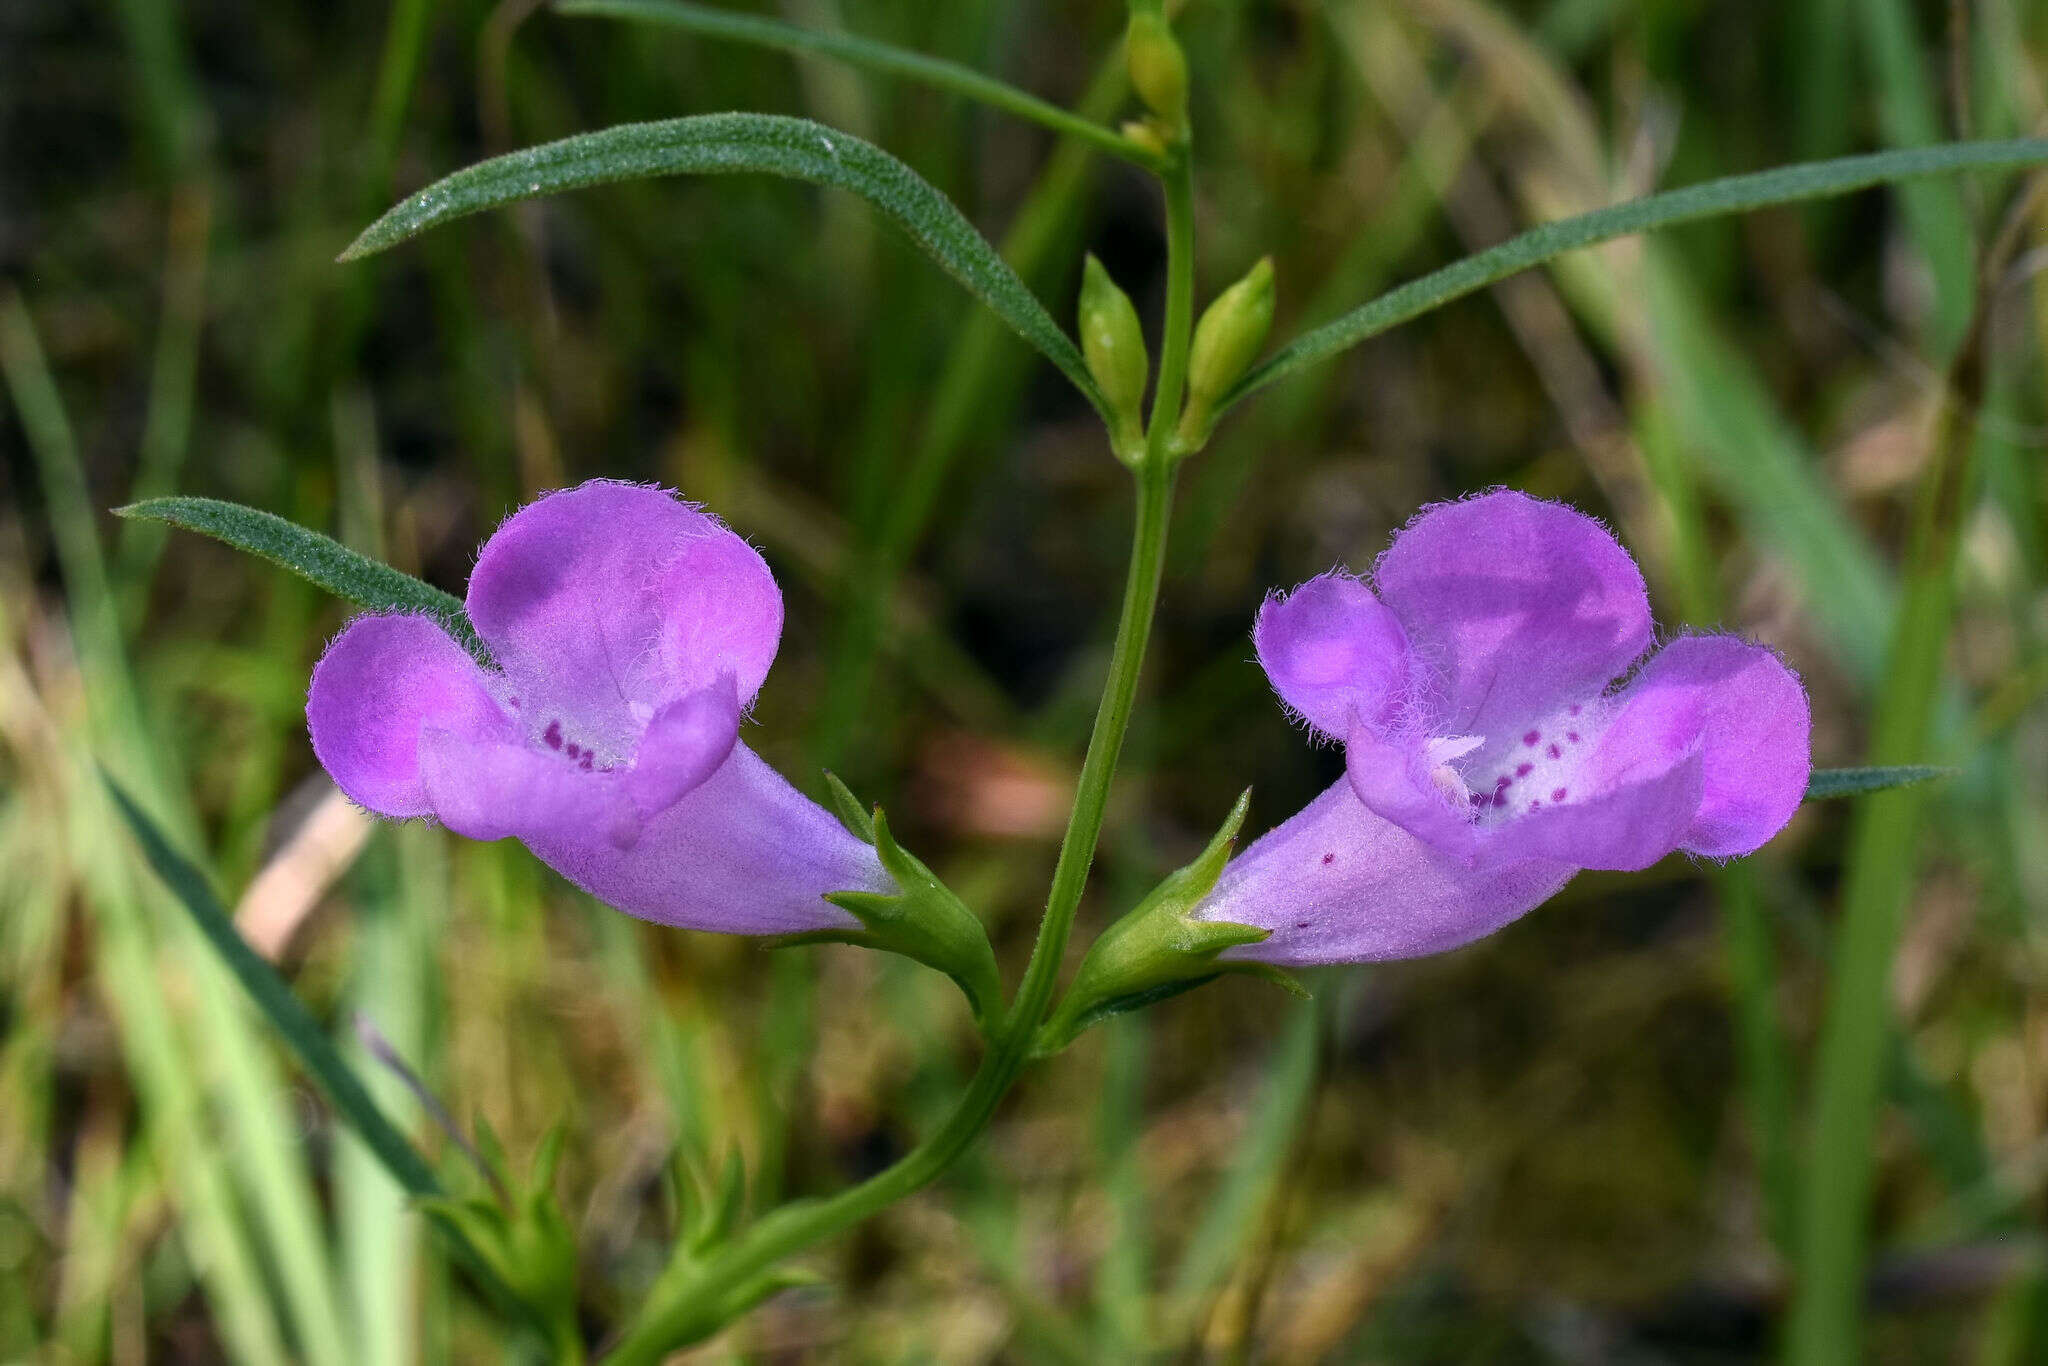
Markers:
{"x": 315, "y": 1051}
{"x": 1734, "y": 194}
{"x": 1854, "y": 782}
{"x": 275, "y": 999}
{"x": 854, "y": 50}
{"x": 319, "y": 559}
{"x": 727, "y": 144}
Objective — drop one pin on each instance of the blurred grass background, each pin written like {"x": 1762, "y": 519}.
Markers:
{"x": 1583, "y": 1140}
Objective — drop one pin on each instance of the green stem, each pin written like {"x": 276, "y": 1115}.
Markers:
{"x": 692, "y": 1297}
{"x": 693, "y": 1289}
{"x": 856, "y": 51}
{"x": 1178, "y": 179}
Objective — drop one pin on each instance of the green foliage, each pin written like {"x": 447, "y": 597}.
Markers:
{"x": 1854, "y": 782}
{"x": 707, "y": 22}
{"x": 318, "y": 559}
{"x": 732, "y": 144}
{"x": 1714, "y": 199}
{"x": 282, "y": 1010}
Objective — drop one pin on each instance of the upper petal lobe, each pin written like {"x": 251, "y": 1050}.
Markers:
{"x": 1333, "y": 653}
{"x": 1518, "y": 605}
{"x": 606, "y": 602}
{"x": 382, "y": 681}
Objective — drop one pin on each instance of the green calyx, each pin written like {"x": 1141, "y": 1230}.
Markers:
{"x": 1113, "y": 343}
{"x": 923, "y": 920}
{"x": 689, "y": 1300}
{"x": 1227, "y": 340}
{"x": 1159, "y": 949}
{"x": 520, "y": 1232}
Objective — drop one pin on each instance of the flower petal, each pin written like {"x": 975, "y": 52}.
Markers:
{"x": 382, "y": 681}
{"x": 1337, "y": 883}
{"x": 604, "y": 603}
{"x": 742, "y": 853}
{"x": 1394, "y": 777}
{"x": 492, "y": 788}
{"x": 684, "y": 744}
{"x": 1333, "y": 653}
{"x": 1745, "y": 714}
{"x": 1626, "y": 824}
{"x": 1519, "y": 605}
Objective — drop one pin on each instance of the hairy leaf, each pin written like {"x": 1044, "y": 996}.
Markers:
{"x": 729, "y": 144}
{"x": 1853, "y": 782}
{"x": 1734, "y": 194}
{"x": 321, "y": 560}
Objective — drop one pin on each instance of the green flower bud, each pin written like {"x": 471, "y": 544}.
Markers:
{"x": 1114, "y": 345}
{"x": 1159, "y": 69}
{"x": 1227, "y": 340}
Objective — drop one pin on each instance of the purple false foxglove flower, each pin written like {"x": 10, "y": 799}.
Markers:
{"x": 630, "y": 631}
{"x": 1489, "y": 753}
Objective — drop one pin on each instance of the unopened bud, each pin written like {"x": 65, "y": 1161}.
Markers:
{"x": 1159, "y": 69}
{"x": 1114, "y": 345}
{"x": 1227, "y": 340}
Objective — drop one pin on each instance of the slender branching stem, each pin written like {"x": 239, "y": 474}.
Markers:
{"x": 692, "y": 1294}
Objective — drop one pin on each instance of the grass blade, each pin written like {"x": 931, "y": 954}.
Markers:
{"x": 321, "y": 560}
{"x": 1232, "y": 1218}
{"x": 728, "y": 144}
{"x": 315, "y": 1051}
{"x": 1733, "y": 194}
{"x": 276, "y": 1001}
{"x": 708, "y": 22}
{"x": 1854, "y": 782}
{"x": 1856, "y": 1039}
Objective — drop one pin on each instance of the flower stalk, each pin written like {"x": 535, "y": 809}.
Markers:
{"x": 702, "y": 1291}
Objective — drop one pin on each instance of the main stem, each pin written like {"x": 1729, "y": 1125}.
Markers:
{"x": 691, "y": 1296}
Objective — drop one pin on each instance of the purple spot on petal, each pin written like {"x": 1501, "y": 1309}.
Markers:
{"x": 1301, "y": 924}
{"x": 1557, "y": 795}
{"x": 1329, "y": 859}
{"x": 1532, "y": 737}
{"x": 1500, "y": 798}
{"x": 1572, "y": 736}
{"x": 1534, "y": 805}
{"x": 1522, "y": 770}
{"x": 1555, "y": 751}
{"x": 1480, "y": 799}
{"x": 585, "y": 765}
{"x": 1575, "y": 709}
{"x": 553, "y": 735}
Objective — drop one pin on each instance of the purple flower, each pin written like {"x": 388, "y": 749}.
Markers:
{"x": 631, "y": 631}
{"x": 1488, "y": 754}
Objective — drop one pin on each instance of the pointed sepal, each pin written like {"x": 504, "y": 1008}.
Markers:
{"x": 922, "y": 920}
{"x": 520, "y": 1231}
{"x": 1159, "y": 950}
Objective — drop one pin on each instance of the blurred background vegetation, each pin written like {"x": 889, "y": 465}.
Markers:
{"x": 1583, "y": 1140}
